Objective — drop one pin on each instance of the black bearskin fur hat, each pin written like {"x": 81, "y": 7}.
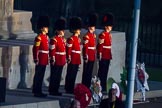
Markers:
{"x": 92, "y": 19}
{"x": 108, "y": 20}
{"x": 60, "y": 24}
{"x": 43, "y": 21}
{"x": 75, "y": 23}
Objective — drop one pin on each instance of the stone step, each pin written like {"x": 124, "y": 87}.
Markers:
{"x": 149, "y": 95}
{"x": 23, "y": 98}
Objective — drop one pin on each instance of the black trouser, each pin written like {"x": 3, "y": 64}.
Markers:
{"x": 55, "y": 78}
{"x": 71, "y": 74}
{"x": 103, "y": 72}
{"x": 38, "y": 78}
{"x": 87, "y": 73}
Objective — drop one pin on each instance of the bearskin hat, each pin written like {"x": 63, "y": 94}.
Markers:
{"x": 108, "y": 20}
{"x": 92, "y": 19}
{"x": 43, "y": 21}
{"x": 75, "y": 23}
{"x": 60, "y": 24}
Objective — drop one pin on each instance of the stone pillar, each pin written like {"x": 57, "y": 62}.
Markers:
{"x": 6, "y": 54}
{"x": 14, "y": 23}
{"x": 23, "y": 62}
{"x": 6, "y": 10}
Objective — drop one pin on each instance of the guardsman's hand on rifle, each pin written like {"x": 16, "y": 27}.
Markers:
{"x": 36, "y": 61}
{"x": 99, "y": 56}
{"x": 68, "y": 60}
{"x": 86, "y": 59}
{"x": 52, "y": 61}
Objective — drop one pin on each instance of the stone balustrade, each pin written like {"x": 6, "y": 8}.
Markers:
{"x": 16, "y": 63}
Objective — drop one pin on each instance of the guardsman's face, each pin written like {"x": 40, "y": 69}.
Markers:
{"x": 61, "y": 32}
{"x": 45, "y": 30}
{"x": 108, "y": 28}
{"x": 91, "y": 29}
{"x": 78, "y": 32}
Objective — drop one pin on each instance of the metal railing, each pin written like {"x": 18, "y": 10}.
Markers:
{"x": 149, "y": 41}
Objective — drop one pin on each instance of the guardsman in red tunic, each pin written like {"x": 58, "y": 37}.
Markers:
{"x": 57, "y": 55}
{"x": 73, "y": 54}
{"x": 104, "y": 49}
{"x": 89, "y": 50}
{"x": 40, "y": 55}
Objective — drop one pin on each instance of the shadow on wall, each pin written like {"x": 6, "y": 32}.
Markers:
{"x": 10, "y": 29}
{"x": 6, "y": 61}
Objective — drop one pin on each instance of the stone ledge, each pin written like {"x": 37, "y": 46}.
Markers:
{"x": 149, "y": 94}
{"x": 47, "y": 104}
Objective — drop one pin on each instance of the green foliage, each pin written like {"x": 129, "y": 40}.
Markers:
{"x": 110, "y": 81}
{"x": 123, "y": 83}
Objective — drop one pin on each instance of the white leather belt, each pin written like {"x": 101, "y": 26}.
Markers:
{"x": 92, "y": 48}
{"x": 76, "y": 51}
{"x": 60, "y": 53}
{"x": 107, "y": 47}
{"x": 43, "y": 51}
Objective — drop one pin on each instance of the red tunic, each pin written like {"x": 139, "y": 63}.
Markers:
{"x": 104, "y": 45}
{"x": 40, "y": 49}
{"x": 57, "y": 50}
{"x": 89, "y": 46}
{"x": 73, "y": 49}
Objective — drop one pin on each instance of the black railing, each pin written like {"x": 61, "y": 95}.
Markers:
{"x": 149, "y": 40}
